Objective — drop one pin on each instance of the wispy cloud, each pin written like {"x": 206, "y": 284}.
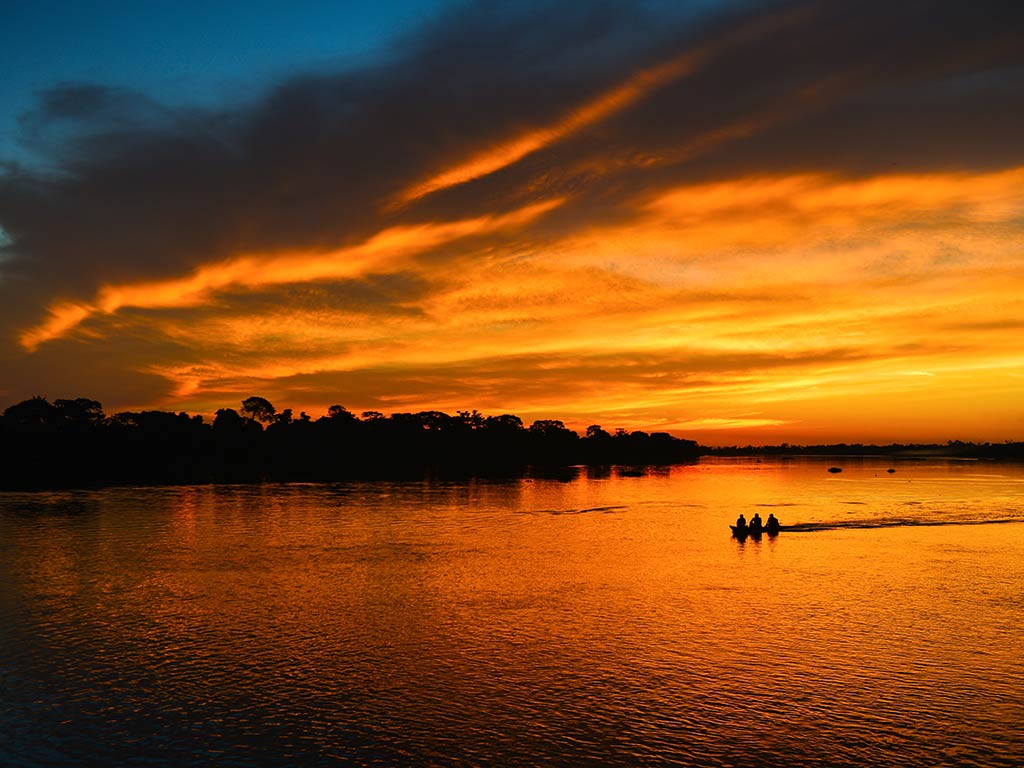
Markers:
{"x": 389, "y": 247}
{"x": 610, "y": 102}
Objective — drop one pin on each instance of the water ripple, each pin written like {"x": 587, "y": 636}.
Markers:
{"x": 460, "y": 624}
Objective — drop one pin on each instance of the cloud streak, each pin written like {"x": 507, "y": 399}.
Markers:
{"x": 508, "y": 152}
{"x": 389, "y": 247}
{"x": 611, "y": 102}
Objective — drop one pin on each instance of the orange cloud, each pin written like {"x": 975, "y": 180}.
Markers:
{"x": 595, "y": 110}
{"x": 506, "y": 153}
{"x": 386, "y": 247}
{"x": 748, "y": 309}
{"x": 64, "y": 316}
{"x": 789, "y": 203}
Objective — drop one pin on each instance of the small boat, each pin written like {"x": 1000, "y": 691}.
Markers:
{"x": 741, "y": 532}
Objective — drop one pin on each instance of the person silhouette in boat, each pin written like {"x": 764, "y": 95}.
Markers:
{"x": 772, "y": 524}
{"x": 755, "y": 523}
{"x": 741, "y": 523}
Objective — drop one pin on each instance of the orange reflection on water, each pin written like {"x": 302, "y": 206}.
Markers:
{"x": 592, "y": 614}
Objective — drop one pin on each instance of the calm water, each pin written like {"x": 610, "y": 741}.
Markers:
{"x": 591, "y": 621}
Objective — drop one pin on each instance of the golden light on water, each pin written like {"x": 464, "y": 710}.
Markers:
{"x": 498, "y": 617}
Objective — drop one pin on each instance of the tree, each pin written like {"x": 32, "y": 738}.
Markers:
{"x": 472, "y": 419}
{"x": 33, "y": 413}
{"x": 258, "y": 409}
{"x": 228, "y": 420}
{"x": 340, "y": 413}
{"x": 505, "y": 423}
{"x": 548, "y": 427}
{"x": 81, "y": 410}
{"x": 433, "y": 421}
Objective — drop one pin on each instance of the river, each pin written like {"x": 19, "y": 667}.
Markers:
{"x": 601, "y": 617}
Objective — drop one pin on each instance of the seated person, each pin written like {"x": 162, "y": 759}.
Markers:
{"x": 755, "y": 522}
{"x": 772, "y": 525}
{"x": 741, "y": 522}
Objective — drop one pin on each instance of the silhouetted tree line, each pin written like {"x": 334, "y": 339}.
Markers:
{"x": 74, "y": 443}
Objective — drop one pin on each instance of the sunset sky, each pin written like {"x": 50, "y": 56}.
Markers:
{"x": 737, "y": 221}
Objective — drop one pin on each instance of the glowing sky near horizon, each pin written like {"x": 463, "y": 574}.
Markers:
{"x": 741, "y": 223}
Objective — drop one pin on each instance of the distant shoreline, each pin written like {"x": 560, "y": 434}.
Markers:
{"x": 73, "y": 443}
{"x": 1009, "y": 451}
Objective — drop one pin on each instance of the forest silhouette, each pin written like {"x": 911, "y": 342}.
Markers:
{"x": 73, "y": 443}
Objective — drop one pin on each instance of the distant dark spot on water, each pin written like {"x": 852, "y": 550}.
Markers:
{"x": 780, "y": 504}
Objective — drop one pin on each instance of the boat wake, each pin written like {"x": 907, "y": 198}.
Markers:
{"x": 892, "y": 522}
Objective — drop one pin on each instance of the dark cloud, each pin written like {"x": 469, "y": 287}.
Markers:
{"x": 92, "y": 366}
{"x": 70, "y": 117}
{"x": 848, "y": 88}
{"x": 851, "y": 88}
{"x": 394, "y": 293}
{"x": 141, "y": 191}
{"x": 135, "y": 190}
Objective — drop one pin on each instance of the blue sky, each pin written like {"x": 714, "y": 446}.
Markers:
{"x": 184, "y": 52}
